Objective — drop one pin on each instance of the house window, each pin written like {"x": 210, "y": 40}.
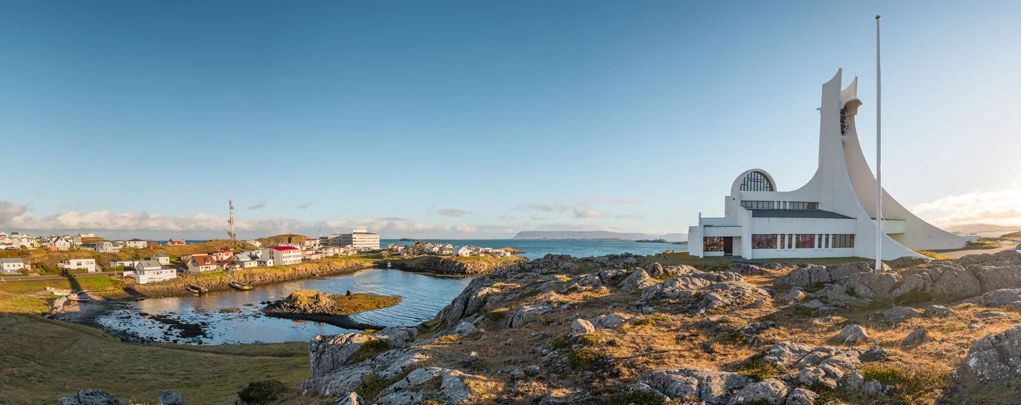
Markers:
{"x": 805, "y": 241}
{"x": 764, "y": 241}
{"x": 712, "y": 244}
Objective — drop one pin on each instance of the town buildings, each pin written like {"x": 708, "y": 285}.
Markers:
{"x": 283, "y": 255}
{"x": 201, "y": 262}
{"x": 11, "y": 266}
{"x": 78, "y": 264}
{"x": 136, "y": 243}
{"x": 359, "y": 239}
{"x": 151, "y": 271}
{"x": 833, "y": 215}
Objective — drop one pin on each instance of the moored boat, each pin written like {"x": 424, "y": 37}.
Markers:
{"x": 79, "y": 296}
{"x": 61, "y": 292}
{"x": 196, "y": 289}
{"x": 240, "y": 286}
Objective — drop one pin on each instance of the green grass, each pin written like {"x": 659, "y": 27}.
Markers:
{"x": 369, "y": 350}
{"x": 42, "y": 360}
{"x": 757, "y": 369}
{"x": 910, "y": 386}
{"x": 932, "y": 254}
{"x": 31, "y": 297}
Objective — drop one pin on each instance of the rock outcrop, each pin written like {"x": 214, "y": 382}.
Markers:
{"x": 995, "y": 358}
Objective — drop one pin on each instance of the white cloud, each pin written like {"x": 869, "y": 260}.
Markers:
{"x": 1000, "y": 207}
{"x": 586, "y": 212}
{"x": 452, "y": 212}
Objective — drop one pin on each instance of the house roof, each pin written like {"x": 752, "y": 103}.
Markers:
{"x": 284, "y": 247}
{"x": 12, "y": 261}
{"x": 203, "y": 260}
{"x": 136, "y": 240}
{"x": 798, "y": 214}
{"x": 147, "y": 264}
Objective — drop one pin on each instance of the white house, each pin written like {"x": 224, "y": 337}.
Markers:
{"x": 264, "y": 262}
{"x": 104, "y": 247}
{"x": 221, "y": 255}
{"x": 833, "y": 215}
{"x": 201, "y": 262}
{"x": 59, "y": 243}
{"x": 447, "y": 249}
{"x": 284, "y": 255}
{"x": 136, "y": 243}
{"x": 162, "y": 258}
{"x": 331, "y": 251}
{"x": 11, "y": 266}
{"x": 128, "y": 264}
{"x": 245, "y": 261}
{"x": 150, "y": 271}
{"x": 463, "y": 251}
{"x": 255, "y": 243}
{"x": 78, "y": 264}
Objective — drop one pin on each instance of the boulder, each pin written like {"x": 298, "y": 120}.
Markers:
{"x": 852, "y": 335}
{"x": 807, "y": 274}
{"x": 452, "y": 389}
{"x": 699, "y": 384}
{"x": 637, "y": 279}
{"x": 527, "y": 313}
{"x": 675, "y": 288}
{"x": 328, "y": 353}
{"x": 915, "y": 338}
{"x": 995, "y": 358}
{"x": 769, "y": 391}
{"x": 801, "y": 396}
{"x": 656, "y": 270}
{"x": 871, "y": 286}
{"x": 169, "y": 397}
{"x": 89, "y": 397}
{"x": 731, "y": 294}
{"x": 611, "y": 321}
{"x": 794, "y": 295}
{"x": 262, "y": 392}
{"x": 897, "y": 314}
{"x": 581, "y": 327}
{"x": 907, "y": 261}
{"x": 938, "y": 311}
{"x": 1008, "y": 297}
{"x": 350, "y": 377}
{"x": 995, "y": 277}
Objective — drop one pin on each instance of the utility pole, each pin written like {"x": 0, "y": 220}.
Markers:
{"x": 879, "y": 157}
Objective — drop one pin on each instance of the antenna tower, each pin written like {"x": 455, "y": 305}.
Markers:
{"x": 230, "y": 222}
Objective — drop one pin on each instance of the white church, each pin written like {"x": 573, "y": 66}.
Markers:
{"x": 833, "y": 215}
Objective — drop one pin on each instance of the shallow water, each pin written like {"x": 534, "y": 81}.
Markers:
{"x": 234, "y": 317}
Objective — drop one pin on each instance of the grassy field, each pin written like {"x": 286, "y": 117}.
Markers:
{"x": 31, "y": 297}
{"x": 43, "y": 360}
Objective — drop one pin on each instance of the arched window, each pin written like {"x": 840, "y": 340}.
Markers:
{"x": 756, "y": 181}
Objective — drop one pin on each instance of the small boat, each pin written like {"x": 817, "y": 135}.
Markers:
{"x": 388, "y": 264}
{"x": 196, "y": 289}
{"x": 60, "y": 292}
{"x": 240, "y": 286}
{"x": 79, "y": 296}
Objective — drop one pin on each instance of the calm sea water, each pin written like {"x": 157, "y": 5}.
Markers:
{"x": 234, "y": 317}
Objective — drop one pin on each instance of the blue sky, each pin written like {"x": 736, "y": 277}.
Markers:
{"x": 481, "y": 119}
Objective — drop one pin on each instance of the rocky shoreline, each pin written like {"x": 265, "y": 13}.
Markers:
{"x": 334, "y": 309}
{"x": 443, "y": 266}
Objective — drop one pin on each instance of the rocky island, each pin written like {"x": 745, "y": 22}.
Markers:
{"x": 333, "y": 309}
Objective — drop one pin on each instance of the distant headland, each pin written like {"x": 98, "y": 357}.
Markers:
{"x": 599, "y": 235}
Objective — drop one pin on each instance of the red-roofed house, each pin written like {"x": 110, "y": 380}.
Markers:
{"x": 221, "y": 255}
{"x": 201, "y": 262}
{"x": 284, "y": 254}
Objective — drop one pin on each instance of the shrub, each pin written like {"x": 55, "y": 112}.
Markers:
{"x": 758, "y": 369}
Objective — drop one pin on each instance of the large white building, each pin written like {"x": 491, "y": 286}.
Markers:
{"x": 78, "y": 264}
{"x": 151, "y": 271}
{"x": 360, "y": 239}
{"x": 833, "y": 215}
{"x": 283, "y": 255}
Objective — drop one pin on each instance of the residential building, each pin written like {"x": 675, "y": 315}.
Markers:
{"x": 221, "y": 255}
{"x": 11, "y": 266}
{"x": 136, "y": 243}
{"x": 153, "y": 245}
{"x": 309, "y": 255}
{"x": 833, "y": 215}
{"x": 265, "y": 262}
{"x": 103, "y": 247}
{"x": 283, "y": 255}
{"x": 150, "y": 271}
{"x": 118, "y": 244}
{"x": 162, "y": 258}
{"x": 331, "y": 251}
{"x": 255, "y": 243}
{"x": 128, "y": 264}
{"x": 252, "y": 254}
{"x": 174, "y": 242}
{"x": 311, "y": 243}
{"x": 78, "y": 264}
{"x": 447, "y": 250}
{"x": 59, "y": 243}
{"x": 245, "y": 261}
{"x": 463, "y": 251}
{"x": 201, "y": 262}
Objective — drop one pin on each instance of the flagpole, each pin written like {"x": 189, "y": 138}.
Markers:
{"x": 879, "y": 158}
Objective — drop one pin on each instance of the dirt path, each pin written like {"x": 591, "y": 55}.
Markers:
{"x": 961, "y": 253}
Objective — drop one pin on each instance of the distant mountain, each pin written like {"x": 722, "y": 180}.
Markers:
{"x": 673, "y": 237}
{"x": 976, "y": 228}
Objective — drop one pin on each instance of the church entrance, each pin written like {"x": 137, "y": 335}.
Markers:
{"x": 728, "y": 246}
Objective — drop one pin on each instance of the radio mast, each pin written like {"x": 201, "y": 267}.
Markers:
{"x": 230, "y": 222}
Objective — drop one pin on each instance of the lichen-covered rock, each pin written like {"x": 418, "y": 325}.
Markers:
{"x": 350, "y": 377}
{"x": 731, "y": 294}
{"x": 915, "y": 338}
{"x": 808, "y": 274}
{"x": 1002, "y": 298}
{"x": 711, "y": 386}
{"x": 852, "y": 335}
{"x": 675, "y": 288}
{"x": 406, "y": 391}
{"x": 938, "y": 311}
{"x": 89, "y": 397}
{"x": 995, "y": 358}
{"x": 996, "y": 276}
{"x": 328, "y": 353}
{"x": 897, "y": 314}
{"x": 794, "y": 295}
{"x": 169, "y": 397}
{"x": 637, "y": 279}
{"x": 871, "y": 286}
{"x": 527, "y": 313}
{"x": 611, "y": 321}
{"x": 801, "y": 396}
{"x": 581, "y": 327}
{"x": 769, "y": 391}
{"x": 907, "y": 261}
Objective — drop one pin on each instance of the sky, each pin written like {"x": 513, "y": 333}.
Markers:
{"x": 466, "y": 119}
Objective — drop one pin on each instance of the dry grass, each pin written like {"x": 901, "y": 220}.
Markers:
{"x": 43, "y": 360}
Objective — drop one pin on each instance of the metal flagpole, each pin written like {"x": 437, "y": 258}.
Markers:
{"x": 879, "y": 158}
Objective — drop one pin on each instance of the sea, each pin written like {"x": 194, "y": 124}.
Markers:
{"x": 235, "y": 316}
